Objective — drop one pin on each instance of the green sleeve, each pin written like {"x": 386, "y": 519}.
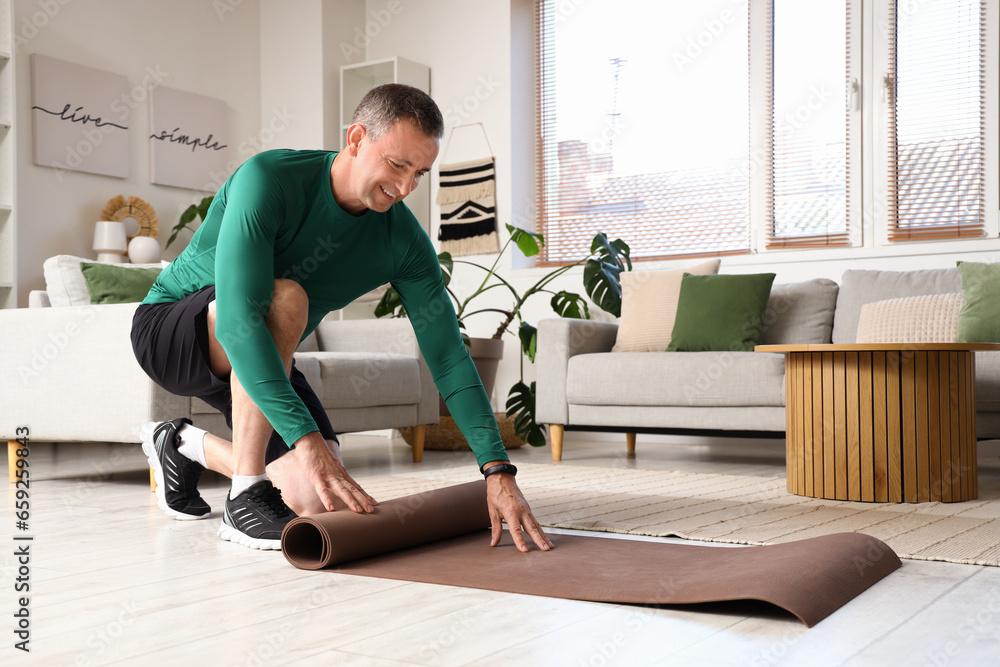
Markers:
{"x": 421, "y": 289}
{"x": 244, "y": 283}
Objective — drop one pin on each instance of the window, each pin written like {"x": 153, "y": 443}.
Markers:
{"x": 752, "y": 126}
{"x": 643, "y": 126}
{"x": 934, "y": 90}
{"x": 812, "y": 100}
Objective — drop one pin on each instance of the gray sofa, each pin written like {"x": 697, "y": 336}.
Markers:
{"x": 71, "y": 375}
{"x": 582, "y": 385}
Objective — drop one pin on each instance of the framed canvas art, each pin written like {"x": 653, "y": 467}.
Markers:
{"x": 80, "y": 117}
{"x": 187, "y": 140}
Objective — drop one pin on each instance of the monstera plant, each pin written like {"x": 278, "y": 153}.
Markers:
{"x": 601, "y": 280}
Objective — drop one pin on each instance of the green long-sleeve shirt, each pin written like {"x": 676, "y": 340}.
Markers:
{"x": 276, "y": 217}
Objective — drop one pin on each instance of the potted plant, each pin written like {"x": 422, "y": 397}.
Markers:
{"x": 601, "y": 280}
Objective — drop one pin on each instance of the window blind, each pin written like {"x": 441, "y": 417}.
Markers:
{"x": 643, "y": 129}
{"x": 936, "y": 119}
{"x": 808, "y": 193}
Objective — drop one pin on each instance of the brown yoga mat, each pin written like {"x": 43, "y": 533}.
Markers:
{"x": 442, "y": 537}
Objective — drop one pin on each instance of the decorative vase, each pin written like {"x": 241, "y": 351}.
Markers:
{"x": 143, "y": 250}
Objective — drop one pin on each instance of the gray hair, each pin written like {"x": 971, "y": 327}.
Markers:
{"x": 387, "y": 104}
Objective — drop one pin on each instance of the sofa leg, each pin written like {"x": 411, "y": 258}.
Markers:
{"x": 630, "y": 442}
{"x": 556, "y": 433}
{"x": 12, "y": 458}
{"x": 152, "y": 480}
{"x": 418, "y": 442}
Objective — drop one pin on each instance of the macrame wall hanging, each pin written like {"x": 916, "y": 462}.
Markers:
{"x": 467, "y": 197}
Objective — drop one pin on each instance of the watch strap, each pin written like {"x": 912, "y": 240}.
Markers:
{"x": 500, "y": 467}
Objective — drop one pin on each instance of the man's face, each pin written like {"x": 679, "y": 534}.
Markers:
{"x": 388, "y": 169}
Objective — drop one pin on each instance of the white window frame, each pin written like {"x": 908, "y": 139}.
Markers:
{"x": 868, "y": 220}
{"x": 876, "y": 111}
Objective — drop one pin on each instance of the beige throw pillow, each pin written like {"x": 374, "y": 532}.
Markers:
{"x": 929, "y": 318}
{"x": 649, "y": 306}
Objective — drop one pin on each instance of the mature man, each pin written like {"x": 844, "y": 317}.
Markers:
{"x": 224, "y": 318}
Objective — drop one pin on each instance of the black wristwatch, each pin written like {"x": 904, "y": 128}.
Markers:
{"x": 500, "y": 467}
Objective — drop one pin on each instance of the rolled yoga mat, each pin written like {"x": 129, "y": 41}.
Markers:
{"x": 442, "y": 537}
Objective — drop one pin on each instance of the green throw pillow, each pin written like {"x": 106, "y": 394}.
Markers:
{"x": 979, "y": 318}
{"x": 720, "y": 313}
{"x": 108, "y": 283}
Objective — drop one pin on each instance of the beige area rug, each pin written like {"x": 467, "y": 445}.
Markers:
{"x": 733, "y": 509}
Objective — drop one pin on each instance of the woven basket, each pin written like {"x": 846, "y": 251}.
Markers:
{"x": 445, "y": 436}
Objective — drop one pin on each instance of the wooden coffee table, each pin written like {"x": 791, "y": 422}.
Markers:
{"x": 881, "y": 422}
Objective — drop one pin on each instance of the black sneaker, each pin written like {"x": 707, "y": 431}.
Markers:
{"x": 176, "y": 475}
{"x": 256, "y": 517}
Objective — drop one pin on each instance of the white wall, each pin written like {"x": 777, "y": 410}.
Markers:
{"x": 303, "y": 44}
{"x": 291, "y": 68}
{"x": 192, "y": 45}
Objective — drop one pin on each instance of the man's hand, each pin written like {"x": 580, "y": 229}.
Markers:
{"x": 328, "y": 475}
{"x": 507, "y": 503}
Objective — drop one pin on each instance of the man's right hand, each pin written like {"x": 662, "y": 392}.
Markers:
{"x": 328, "y": 475}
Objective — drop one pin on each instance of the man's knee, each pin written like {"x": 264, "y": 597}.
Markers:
{"x": 289, "y": 302}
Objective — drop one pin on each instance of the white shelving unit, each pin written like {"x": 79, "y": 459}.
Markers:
{"x": 8, "y": 241}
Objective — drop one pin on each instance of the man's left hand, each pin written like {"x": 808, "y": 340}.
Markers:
{"x": 507, "y": 503}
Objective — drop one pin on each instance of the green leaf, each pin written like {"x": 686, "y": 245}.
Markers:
{"x": 390, "y": 305}
{"x": 447, "y": 266}
{"x": 529, "y": 243}
{"x": 521, "y": 407}
{"x": 602, "y": 274}
{"x": 529, "y": 339}
{"x": 205, "y": 204}
{"x": 569, "y": 304}
{"x": 188, "y": 215}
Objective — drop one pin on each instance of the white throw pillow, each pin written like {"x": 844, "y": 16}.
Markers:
{"x": 64, "y": 282}
{"x": 649, "y": 306}
{"x": 929, "y": 318}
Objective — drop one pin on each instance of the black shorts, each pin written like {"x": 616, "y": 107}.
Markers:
{"x": 170, "y": 342}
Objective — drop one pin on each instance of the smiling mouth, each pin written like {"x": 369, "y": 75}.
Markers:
{"x": 387, "y": 193}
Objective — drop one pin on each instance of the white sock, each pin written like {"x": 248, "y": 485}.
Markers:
{"x": 192, "y": 443}
{"x": 243, "y": 482}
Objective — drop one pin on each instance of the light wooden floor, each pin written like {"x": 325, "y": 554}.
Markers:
{"x": 114, "y": 581}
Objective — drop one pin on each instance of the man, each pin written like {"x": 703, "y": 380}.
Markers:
{"x": 222, "y": 321}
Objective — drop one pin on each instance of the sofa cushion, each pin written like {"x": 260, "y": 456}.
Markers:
{"x": 363, "y": 379}
{"x": 109, "y": 283}
{"x": 800, "y": 313}
{"x": 309, "y": 344}
{"x": 715, "y": 379}
{"x": 719, "y": 313}
{"x": 649, "y": 306}
{"x": 64, "y": 280}
{"x": 979, "y": 319}
{"x": 859, "y": 287}
{"x": 929, "y": 318}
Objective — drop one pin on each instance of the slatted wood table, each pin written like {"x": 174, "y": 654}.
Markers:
{"x": 881, "y": 422}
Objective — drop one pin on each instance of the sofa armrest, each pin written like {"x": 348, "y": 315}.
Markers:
{"x": 70, "y": 375}
{"x": 388, "y": 336}
{"x": 38, "y": 299}
{"x": 558, "y": 340}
